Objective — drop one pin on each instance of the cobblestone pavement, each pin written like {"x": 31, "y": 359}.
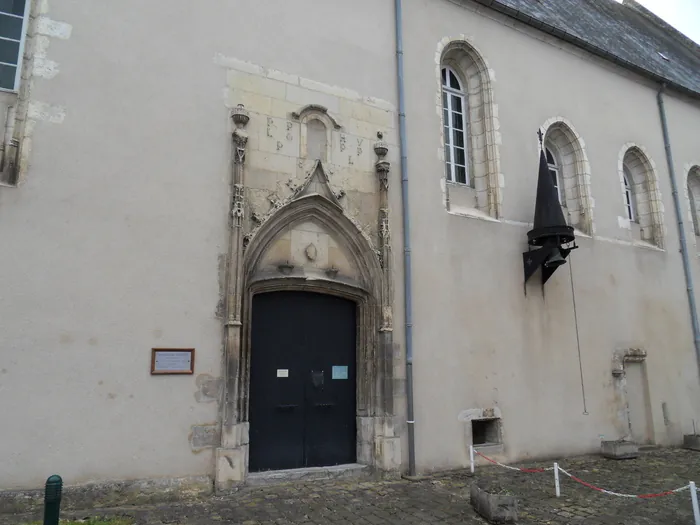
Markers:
{"x": 444, "y": 499}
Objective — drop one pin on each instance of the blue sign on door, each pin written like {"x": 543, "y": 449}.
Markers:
{"x": 340, "y": 372}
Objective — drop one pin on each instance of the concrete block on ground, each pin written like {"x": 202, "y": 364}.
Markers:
{"x": 493, "y": 503}
{"x": 691, "y": 442}
{"x": 619, "y": 449}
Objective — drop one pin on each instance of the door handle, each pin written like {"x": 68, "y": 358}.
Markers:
{"x": 286, "y": 408}
{"x": 325, "y": 405}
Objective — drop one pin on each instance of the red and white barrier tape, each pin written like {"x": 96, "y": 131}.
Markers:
{"x": 618, "y": 494}
{"x": 585, "y": 484}
{"x": 528, "y": 470}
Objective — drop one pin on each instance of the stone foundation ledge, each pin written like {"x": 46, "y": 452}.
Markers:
{"x": 110, "y": 494}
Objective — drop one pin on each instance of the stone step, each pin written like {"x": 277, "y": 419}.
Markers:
{"x": 274, "y": 477}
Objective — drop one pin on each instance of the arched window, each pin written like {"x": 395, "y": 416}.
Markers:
{"x": 694, "y": 197}
{"x": 630, "y": 204}
{"x": 470, "y": 129}
{"x": 641, "y": 195}
{"x": 570, "y": 172}
{"x": 453, "y": 110}
{"x": 556, "y": 176}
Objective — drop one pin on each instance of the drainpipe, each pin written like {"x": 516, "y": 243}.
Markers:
{"x": 681, "y": 229}
{"x": 408, "y": 303}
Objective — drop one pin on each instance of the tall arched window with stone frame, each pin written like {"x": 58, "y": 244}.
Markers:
{"x": 693, "y": 188}
{"x": 638, "y": 170}
{"x": 570, "y": 171}
{"x": 469, "y": 130}
{"x": 454, "y": 110}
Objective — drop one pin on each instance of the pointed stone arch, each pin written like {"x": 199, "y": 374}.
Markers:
{"x": 342, "y": 262}
{"x": 569, "y": 150}
{"x": 692, "y": 195}
{"x": 329, "y": 217}
{"x": 484, "y": 190}
{"x": 635, "y": 164}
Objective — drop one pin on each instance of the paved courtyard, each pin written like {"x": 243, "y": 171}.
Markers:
{"x": 444, "y": 499}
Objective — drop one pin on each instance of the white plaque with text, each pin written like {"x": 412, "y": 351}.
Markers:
{"x": 172, "y": 361}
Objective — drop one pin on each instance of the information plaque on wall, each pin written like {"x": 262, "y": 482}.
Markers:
{"x": 166, "y": 361}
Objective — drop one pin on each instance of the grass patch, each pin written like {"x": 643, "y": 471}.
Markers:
{"x": 91, "y": 521}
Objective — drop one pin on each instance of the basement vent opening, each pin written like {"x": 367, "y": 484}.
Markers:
{"x": 486, "y": 431}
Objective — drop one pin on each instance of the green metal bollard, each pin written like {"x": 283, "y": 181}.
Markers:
{"x": 52, "y": 500}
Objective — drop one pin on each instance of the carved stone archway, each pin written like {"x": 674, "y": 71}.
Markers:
{"x": 309, "y": 243}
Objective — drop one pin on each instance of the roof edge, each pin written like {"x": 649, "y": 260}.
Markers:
{"x": 580, "y": 43}
{"x": 682, "y": 38}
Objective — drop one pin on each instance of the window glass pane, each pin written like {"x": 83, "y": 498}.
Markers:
{"x": 454, "y": 83}
{"x": 456, "y": 103}
{"x": 458, "y": 138}
{"x": 461, "y": 174}
{"x": 444, "y": 99}
{"x": 448, "y": 172}
{"x": 447, "y": 135}
{"x": 448, "y": 155}
{"x": 9, "y": 51}
{"x": 10, "y": 27}
{"x": 457, "y": 120}
{"x": 550, "y": 157}
{"x": 7, "y": 76}
{"x": 460, "y": 157}
{"x": 16, "y": 7}
{"x": 444, "y": 76}
{"x": 555, "y": 180}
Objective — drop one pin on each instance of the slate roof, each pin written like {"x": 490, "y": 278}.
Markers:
{"x": 627, "y": 34}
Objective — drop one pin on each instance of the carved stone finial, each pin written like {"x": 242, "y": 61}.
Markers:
{"x": 237, "y": 207}
{"x": 382, "y": 167}
{"x": 240, "y": 116}
{"x": 381, "y": 148}
{"x": 240, "y": 139}
{"x": 332, "y": 272}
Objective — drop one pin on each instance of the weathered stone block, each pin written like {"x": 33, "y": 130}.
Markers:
{"x": 389, "y": 454}
{"x": 619, "y": 449}
{"x": 230, "y": 467}
{"x": 691, "y": 442}
{"x": 494, "y": 504}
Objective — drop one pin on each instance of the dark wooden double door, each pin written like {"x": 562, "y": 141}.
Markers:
{"x": 302, "y": 381}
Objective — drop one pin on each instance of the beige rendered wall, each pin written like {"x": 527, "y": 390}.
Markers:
{"x": 113, "y": 243}
{"x": 479, "y": 341}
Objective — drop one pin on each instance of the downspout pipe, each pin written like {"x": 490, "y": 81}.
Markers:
{"x": 681, "y": 229}
{"x": 405, "y": 210}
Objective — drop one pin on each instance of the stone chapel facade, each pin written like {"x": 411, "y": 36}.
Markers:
{"x": 241, "y": 193}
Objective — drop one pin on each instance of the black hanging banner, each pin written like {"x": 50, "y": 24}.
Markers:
{"x": 550, "y": 233}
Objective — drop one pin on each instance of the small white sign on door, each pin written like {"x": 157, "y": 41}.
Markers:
{"x": 282, "y": 372}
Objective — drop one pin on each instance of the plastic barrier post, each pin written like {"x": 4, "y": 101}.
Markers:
{"x": 471, "y": 457}
{"x": 556, "y": 480}
{"x": 694, "y": 498}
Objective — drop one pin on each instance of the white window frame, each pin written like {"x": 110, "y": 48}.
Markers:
{"x": 451, "y": 127}
{"x": 22, "y": 41}
{"x": 630, "y": 203}
{"x": 553, "y": 166}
